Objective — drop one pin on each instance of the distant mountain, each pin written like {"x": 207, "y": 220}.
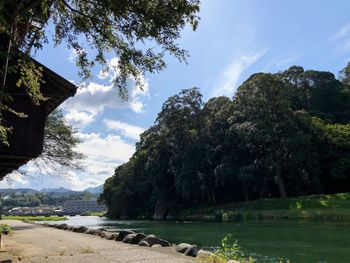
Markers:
{"x": 61, "y": 191}
{"x": 95, "y": 190}
{"x": 9, "y": 191}
{"x": 56, "y": 190}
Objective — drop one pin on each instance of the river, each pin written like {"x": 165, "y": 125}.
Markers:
{"x": 310, "y": 242}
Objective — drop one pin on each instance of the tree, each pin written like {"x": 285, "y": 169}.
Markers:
{"x": 60, "y": 142}
{"x": 273, "y": 133}
{"x": 125, "y": 28}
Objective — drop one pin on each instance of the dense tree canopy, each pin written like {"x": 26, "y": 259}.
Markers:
{"x": 281, "y": 135}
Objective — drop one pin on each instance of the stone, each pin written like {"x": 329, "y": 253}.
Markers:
{"x": 103, "y": 234}
{"x": 96, "y": 232}
{"x": 62, "y": 226}
{"x": 182, "y": 247}
{"x": 70, "y": 228}
{"x": 128, "y": 238}
{"x": 123, "y": 233}
{"x": 233, "y": 261}
{"x": 144, "y": 244}
{"x": 89, "y": 231}
{"x": 202, "y": 254}
{"x": 82, "y": 229}
{"x": 137, "y": 238}
{"x": 156, "y": 245}
{"x": 152, "y": 239}
{"x": 192, "y": 251}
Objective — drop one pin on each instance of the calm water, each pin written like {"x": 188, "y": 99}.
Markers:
{"x": 298, "y": 241}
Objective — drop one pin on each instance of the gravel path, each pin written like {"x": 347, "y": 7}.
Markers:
{"x": 33, "y": 243}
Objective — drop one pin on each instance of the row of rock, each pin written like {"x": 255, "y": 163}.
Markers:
{"x": 125, "y": 236}
{"x": 130, "y": 237}
{"x": 192, "y": 251}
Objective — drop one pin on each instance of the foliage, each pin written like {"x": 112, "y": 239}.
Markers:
{"x": 334, "y": 207}
{"x": 38, "y": 199}
{"x": 231, "y": 250}
{"x": 138, "y": 33}
{"x": 5, "y": 229}
{"x": 284, "y": 134}
{"x": 36, "y": 218}
{"x": 60, "y": 143}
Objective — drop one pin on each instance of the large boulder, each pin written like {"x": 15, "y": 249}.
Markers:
{"x": 202, "y": 254}
{"x": 152, "y": 239}
{"x": 156, "y": 245}
{"x": 89, "y": 231}
{"x": 96, "y": 232}
{"x": 144, "y": 244}
{"x": 104, "y": 234}
{"x": 128, "y": 238}
{"x": 137, "y": 238}
{"x": 111, "y": 236}
{"x": 123, "y": 233}
{"x": 62, "y": 226}
{"x": 75, "y": 229}
{"x": 192, "y": 251}
{"x": 182, "y": 247}
{"x": 82, "y": 229}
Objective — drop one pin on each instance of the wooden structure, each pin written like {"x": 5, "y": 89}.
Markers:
{"x": 27, "y": 137}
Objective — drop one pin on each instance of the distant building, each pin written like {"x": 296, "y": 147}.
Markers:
{"x": 74, "y": 207}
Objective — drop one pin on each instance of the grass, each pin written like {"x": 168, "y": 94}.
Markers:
{"x": 100, "y": 214}
{"x": 5, "y": 229}
{"x": 36, "y": 218}
{"x": 312, "y": 207}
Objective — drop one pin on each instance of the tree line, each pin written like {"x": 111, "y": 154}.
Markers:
{"x": 39, "y": 199}
{"x": 282, "y": 134}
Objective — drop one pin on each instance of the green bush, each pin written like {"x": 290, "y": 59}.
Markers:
{"x": 5, "y": 229}
{"x": 230, "y": 250}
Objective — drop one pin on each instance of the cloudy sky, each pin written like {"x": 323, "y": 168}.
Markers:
{"x": 234, "y": 40}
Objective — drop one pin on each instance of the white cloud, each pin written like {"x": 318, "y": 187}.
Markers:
{"x": 342, "y": 38}
{"x": 79, "y": 118}
{"x": 342, "y": 32}
{"x": 104, "y": 153}
{"x": 93, "y": 98}
{"x": 125, "y": 129}
{"x": 227, "y": 84}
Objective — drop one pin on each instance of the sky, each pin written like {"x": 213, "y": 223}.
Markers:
{"x": 234, "y": 40}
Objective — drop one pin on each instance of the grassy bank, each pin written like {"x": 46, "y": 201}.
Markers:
{"x": 313, "y": 207}
{"x": 36, "y": 218}
{"x": 100, "y": 214}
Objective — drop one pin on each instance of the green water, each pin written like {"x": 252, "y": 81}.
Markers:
{"x": 268, "y": 240}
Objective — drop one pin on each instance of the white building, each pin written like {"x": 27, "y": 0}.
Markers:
{"x": 74, "y": 207}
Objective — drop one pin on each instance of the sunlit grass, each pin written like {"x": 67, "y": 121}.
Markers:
{"x": 36, "y": 218}
{"x": 313, "y": 207}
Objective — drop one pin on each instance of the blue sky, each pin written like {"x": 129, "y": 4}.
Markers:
{"x": 234, "y": 40}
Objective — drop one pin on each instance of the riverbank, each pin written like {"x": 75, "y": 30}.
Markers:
{"x": 334, "y": 207}
{"x": 35, "y": 218}
{"x": 34, "y": 243}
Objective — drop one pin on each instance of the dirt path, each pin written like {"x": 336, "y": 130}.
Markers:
{"x": 33, "y": 243}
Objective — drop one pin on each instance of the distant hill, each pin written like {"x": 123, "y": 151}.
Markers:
{"x": 56, "y": 190}
{"x": 61, "y": 191}
{"x": 9, "y": 191}
{"x": 95, "y": 190}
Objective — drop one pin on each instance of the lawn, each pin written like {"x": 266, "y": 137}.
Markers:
{"x": 36, "y": 218}
{"x": 313, "y": 207}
